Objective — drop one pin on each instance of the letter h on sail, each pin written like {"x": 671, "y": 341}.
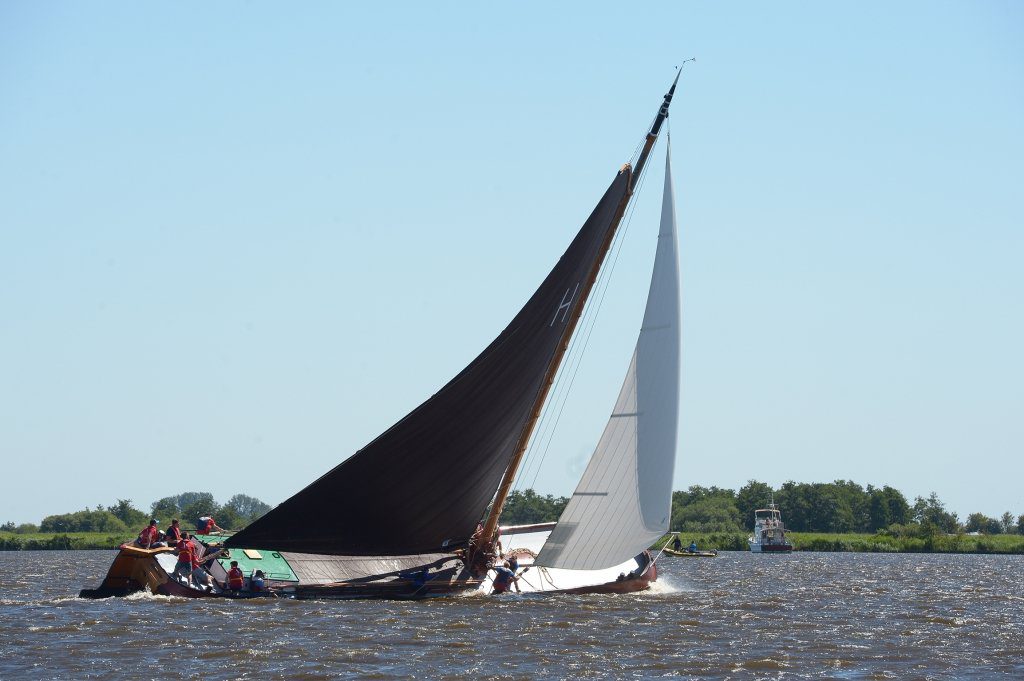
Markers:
{"x": 566, "y": 303}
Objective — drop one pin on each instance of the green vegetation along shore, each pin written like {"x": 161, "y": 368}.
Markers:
{"x": 834, "y": 516}
{"x": 107, "y": 527}
{"x": 42, "y": 541}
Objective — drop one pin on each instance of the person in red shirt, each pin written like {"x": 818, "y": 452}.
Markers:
{"x": 186, "y": 559}
{"x": 149, "y": 537}
{"x": 236, "y": 578}
{"x": 207, "y": 525}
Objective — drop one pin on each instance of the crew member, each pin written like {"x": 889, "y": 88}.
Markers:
{"x": 186, "y": 559}
{"x": 174, "y": 533}
{"x": 207, "y": 525}
{"x": 693, "y": 546}
{"x": 676, "y": 544}
{"x": 506, "y": 577}
{"x": 236, "y": 579}
{"x": 149, "y": 537}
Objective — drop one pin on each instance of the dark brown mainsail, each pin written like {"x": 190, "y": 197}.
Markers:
{"x": 424, "y": 484}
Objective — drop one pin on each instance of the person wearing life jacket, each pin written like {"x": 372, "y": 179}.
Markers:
{"x": 256, "y": 584}
{"x": 207, "y": 525}
{"x": 236, "y": 578}
{"x": 174, "y": 533}
{"x": 187, "y": 559}
{"x": 506, "y": 577}
{"x": 150, "y": 536}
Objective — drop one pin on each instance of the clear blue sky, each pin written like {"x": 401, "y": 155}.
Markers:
{"x": 239, "y": 240}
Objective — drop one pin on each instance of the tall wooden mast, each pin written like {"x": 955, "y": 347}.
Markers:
{"x": 489, "y": 533}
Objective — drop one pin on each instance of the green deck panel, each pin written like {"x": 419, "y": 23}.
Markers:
{"x": 274, "y": 566}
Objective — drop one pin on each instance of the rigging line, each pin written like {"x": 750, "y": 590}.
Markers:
{"x": 589, "y": 329}
{"x": 589, "y": 332}
{"x": 543, "y": 423}
{"x": 545, "y": 439}
{"x": 636, "y": 152}
{"x": 545, "y": 429}
{"x": 544, "y": 426}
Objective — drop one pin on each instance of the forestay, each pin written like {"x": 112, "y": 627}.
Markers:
{"x": 623, "y": 503}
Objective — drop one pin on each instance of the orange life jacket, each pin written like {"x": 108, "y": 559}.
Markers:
{"x": 236, "y": 580}
{"x": 186, "y": 552}
{"x": 148, "y": 535}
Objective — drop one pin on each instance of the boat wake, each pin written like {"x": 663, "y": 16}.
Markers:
{"x": 147, "y": 595}
{"x": 472, "y": 593}
{"x": 665, "y": 586}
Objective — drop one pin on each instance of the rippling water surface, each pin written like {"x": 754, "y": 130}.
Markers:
{"x": 847, "y": 616}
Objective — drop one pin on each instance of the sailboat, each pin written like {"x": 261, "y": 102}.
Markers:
{"x": 416, "y": 512}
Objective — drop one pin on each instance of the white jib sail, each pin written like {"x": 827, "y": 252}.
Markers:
{"x": 623, "y": 503}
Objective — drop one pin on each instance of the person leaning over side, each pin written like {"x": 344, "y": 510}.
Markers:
{"x": 506, "y": 577}
{"x": 149, "y": 537}
{"x": 207, "y": 525}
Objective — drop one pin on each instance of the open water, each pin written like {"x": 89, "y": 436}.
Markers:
{"x": 810, "y": 615}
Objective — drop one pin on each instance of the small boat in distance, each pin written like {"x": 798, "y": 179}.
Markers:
{"x": 769, "y": 532}
{"x": 690, "y": 554}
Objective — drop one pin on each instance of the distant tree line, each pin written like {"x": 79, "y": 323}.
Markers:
{"x": 833, "y": 507}
{"x": 121, "y": 517}
{"x": 526, "y": 506}
{"x": 830, "y": 507}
